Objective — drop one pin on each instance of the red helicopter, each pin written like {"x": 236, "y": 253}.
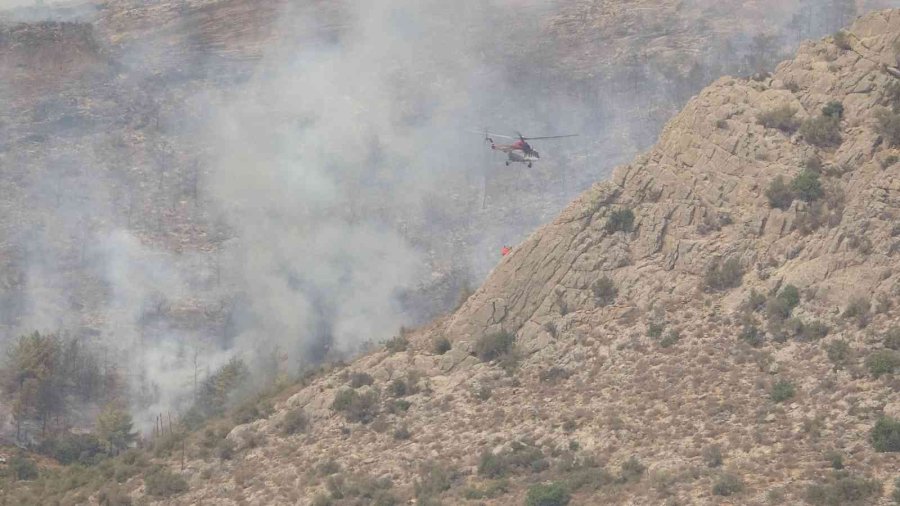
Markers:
{"x": 519, "y": 151}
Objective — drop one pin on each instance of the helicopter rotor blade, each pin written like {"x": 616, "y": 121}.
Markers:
{"x": 550, "y": 137}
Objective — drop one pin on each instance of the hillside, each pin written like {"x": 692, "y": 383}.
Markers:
{"x": 715, "y": 324}
{"x": 671, "y": 366}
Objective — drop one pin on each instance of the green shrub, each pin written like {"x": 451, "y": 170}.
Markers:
{"x": 822, "y": 131}
{"x": 712, "y": 455}
{"x": 360, "y": 379}
{"x": 655, "y": 330}
{"x": 843, "y": 489}
{"x": 361, "y": 408}
{"x": 751, "y": 335}
{"x": 755, "y": 301}
{"x": 833, "y": 109}
{"x": 727, "y": 484}
{"x": 621, "y": 220}
{"x": 491, "y": 466}
{"x": 491, "y": 490}
{"x": 782, "y": 118}
{"x": 723, "y": 275}
{"x": 402, "y": 433}
{"x": 554, "y": 375}
{"x": 835, "y": 459}
{"x": 885, "y": 436}
{"x": 294, "y": 421}
{"x": 70, "y": 448}
{"x": 671, "y": 338}
{"x": 398, "y": 388}
{"x": 777, "y": 310}
{"x": 841, "y": 40}
{"x": 896, "y": 495}
{"x": 23, "y": 468}
{"x": 632, "y": 470}
{"x": 397, "y": 344}
{"x": 605, "y": 291}
{"x": 551, "y": 494}
{"x": 225, "y": 449}
{"x": 493, "y": 346}
{"x": 838, "y": 352}
{"x": 441, "y": 345}
{"x": 433, "y": 480}
{"x": 888, "y": 126}
{"x": 779, "y": 194}
{"x": 859, "y": 309}
{"x": 892, "y": 338}
{"x": 814, "y": 330}
{"x": 882, "y": 362}
{"x": 251, "y": 410}
{"x": 806, "y": 186}
{"x": 161, "y": 482}
{"x": 782, "y": 391}
{"x": 790, "y": 295}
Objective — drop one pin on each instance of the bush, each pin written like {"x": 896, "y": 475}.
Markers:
{"x": 777, "y": 310}
{"x": 621, "y": 220}
{"x": 361, "y": 408}
{"x": 822, "y": 131}
{"x": 843, "y": 489}
{"x": 671, "y": 338}
{"x": 360, "y": 379}
{"x": 896, "y": 495}
{"x": 806, "y": 186}
{"x": 161, "y": 482}
{"x": 859, "y": 309}
{"x": 783, "y": 118}
{"x": 493, "y": 346}
{"x": 892, "y": 338}
{"x": 225, "y": 449}
{"x": 402, "y": 433}
{"x": 551, "y": 494}
{"x": 814, "y": 331}
{"x": 841, "y": 40}
{"x": 294, "y": 421}
{"x": 752, "y": 336}
{"x": 441, "y": 345}
{"x": 397, "y": 344}
{"x": 885, "y": 436}
{"x": 833, "y": 109}
{"x": 632, "y": 470}
{"x": 838, "y": 352}
{"x": 71, "y": 448}
{"x": 724, "y": 275}
{"x": 835, "y": 460}
{"x": 782, "y": 391}
{"x": 655, "y": 330}
{"x": 398, "y": 388}
{"x": 888, "y": 126}
{"x": 883, "y": 362}
{"x": 779, "y": 194}
{"x": 727, "y": 484}
{"x": 491, "y": 466}
{"x": 23, "y": 468}
{"x": 712, "y": 455}
{"x": 554, "y": 375}
{"x": 434, "y": 479}
{"x": 605, "y": 291}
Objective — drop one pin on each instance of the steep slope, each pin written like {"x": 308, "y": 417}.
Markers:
{"x": 679, "y": 367}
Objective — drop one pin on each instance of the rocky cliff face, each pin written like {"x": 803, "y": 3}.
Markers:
{"x": 666, "y": 340}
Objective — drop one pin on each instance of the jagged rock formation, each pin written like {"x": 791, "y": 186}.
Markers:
{"x": 591, "y": 382}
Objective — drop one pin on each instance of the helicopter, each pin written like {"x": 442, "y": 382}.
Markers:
{"x": 519, "y": 151}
